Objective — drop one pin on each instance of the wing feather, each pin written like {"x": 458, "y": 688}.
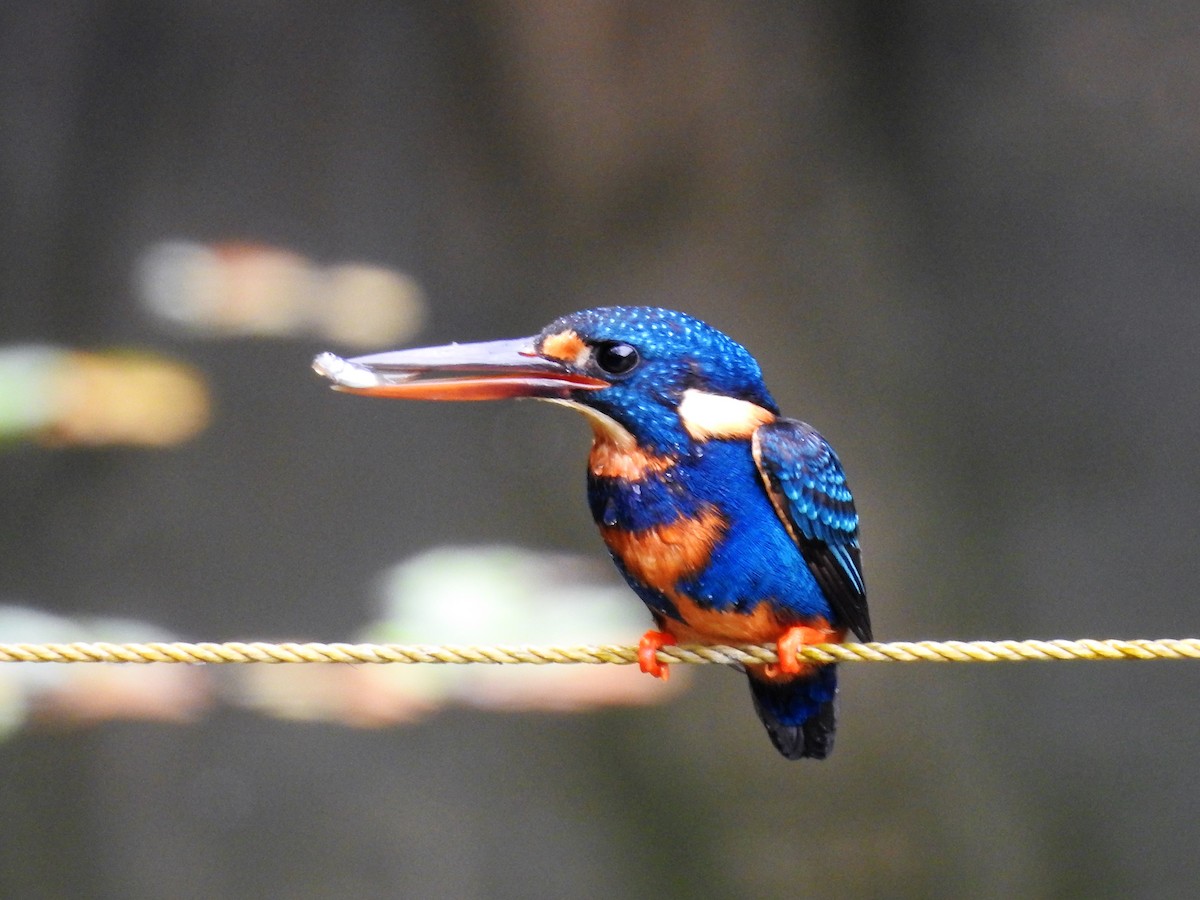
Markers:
{"x": 807, "y": 486}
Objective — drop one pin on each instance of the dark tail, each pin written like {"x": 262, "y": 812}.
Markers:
{"x": 799, "y": 714}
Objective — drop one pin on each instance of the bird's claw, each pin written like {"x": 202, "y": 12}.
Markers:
{"x": 648, "y": 647}
{"x": 788, "y": 645}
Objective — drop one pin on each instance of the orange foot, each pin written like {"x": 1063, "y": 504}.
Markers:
{"x": 792, "y": 640}
{"x": 648, "y": 647}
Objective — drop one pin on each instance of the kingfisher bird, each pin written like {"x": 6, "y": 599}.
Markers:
{"x": 732, "y": 523}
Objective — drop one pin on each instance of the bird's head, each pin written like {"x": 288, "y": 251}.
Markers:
{"x": 661, "y": 378}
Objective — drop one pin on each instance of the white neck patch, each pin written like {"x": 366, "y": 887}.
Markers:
{"x": 605, "y": 427}
{"x": 707, "y": 416}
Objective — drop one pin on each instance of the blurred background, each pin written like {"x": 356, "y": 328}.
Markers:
{"x": 961, "y": 240}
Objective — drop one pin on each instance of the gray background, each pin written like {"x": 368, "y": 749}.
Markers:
{"x": 961, "y": 239}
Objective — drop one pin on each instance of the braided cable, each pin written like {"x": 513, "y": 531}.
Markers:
{"x": 749, "y": 654}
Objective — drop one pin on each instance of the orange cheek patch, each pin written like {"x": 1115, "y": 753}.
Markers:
{"x": 660, "y": 557}
{"x": 566, "y": 346}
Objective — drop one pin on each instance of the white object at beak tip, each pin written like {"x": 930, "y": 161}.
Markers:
{"x": 344, "y": 372}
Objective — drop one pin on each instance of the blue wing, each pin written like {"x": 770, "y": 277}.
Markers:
{"x": 807, "y": 486}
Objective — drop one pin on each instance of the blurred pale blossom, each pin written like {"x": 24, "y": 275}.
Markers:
{"x": 476, "y": 595}
{"x": 60, "y": 695}
{"x": 68, "y": 397}
{"x": 247, "y": 289}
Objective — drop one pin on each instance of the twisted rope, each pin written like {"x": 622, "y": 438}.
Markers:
{"x": 750, "y": 654}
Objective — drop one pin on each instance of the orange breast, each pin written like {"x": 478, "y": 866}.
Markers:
{"x": 706, "y": 626}
{"x": 660, "y": 557}
{"x": 610, "y": 459}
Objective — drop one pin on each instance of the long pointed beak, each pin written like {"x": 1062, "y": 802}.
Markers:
{"x": 490, "y": 370}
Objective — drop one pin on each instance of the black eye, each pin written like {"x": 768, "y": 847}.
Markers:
{"x": 616, "y": 358}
